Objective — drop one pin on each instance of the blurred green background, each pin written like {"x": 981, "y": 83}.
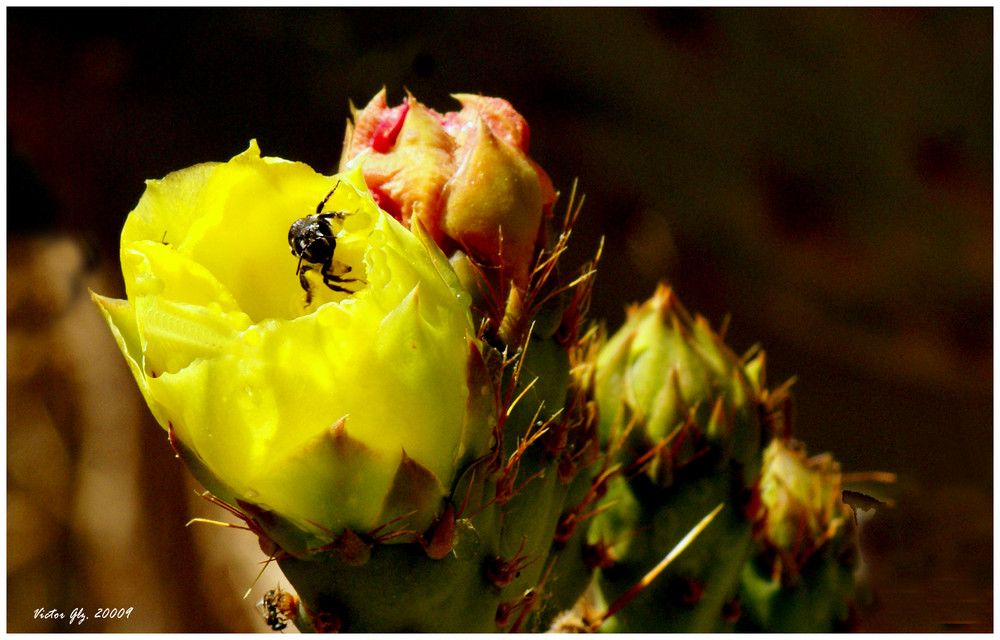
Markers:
{"x": 822, "y": 177}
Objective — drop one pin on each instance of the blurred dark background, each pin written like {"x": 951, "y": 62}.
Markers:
{"x": 823, "y": 177}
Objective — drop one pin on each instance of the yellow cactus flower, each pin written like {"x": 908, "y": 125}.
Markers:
{"x": 335, "y": 400}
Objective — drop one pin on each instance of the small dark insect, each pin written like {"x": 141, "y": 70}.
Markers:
{"x": 861, "y": 501}
{"x": 314, "y": 241}
{"x": 278, "y": 607}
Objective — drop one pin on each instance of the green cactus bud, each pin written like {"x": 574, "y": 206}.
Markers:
{"x": 801, "y": 577}
{"x": 667, "y": 376}
{"x": 682, "y": 413}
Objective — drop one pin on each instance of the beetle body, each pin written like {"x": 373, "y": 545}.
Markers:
{"x": 313, "y": 241}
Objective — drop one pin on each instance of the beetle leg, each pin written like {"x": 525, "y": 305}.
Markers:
{"x": 305, "y": 287}
{"x": 334, "y": 282}
{"x": 319, "y": 208}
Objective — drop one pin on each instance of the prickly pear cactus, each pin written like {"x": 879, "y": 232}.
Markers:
{"x": 683, "y": 416}
{"x": 387, "y": 375}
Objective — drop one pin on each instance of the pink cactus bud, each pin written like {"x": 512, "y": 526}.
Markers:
{"x": 465, "y": 176}
{"x": 493, "y": 203}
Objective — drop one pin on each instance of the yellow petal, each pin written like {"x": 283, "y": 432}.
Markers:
{"x": 121, "y": 319}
